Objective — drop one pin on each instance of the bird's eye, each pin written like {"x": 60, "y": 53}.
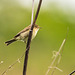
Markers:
{"x": 36, "y": 26}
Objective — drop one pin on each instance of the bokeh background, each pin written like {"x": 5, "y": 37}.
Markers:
{"x": 55, "y": 17}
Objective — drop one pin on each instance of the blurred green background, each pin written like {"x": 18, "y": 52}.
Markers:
{"x": 54, "y": 22}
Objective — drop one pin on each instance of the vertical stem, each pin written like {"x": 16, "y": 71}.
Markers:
{"x": 29, "y": 39}
{"x": 32, "y": 12}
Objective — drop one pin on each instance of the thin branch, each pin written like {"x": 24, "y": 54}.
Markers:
{"x": 18, "y": 60}
{"x": 61, "y": 52}
{"x": 72, "y": 73}
{"x": 29, "y": 39}
{"x": 56, "y": 66}
{"x": 57, "y": 54}
{"x": 32, "y": 12}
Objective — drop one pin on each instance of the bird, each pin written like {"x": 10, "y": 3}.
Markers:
{"x": 23, "y": 35}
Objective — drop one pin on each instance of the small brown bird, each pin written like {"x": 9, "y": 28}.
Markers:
{"x": 23, "y": 35}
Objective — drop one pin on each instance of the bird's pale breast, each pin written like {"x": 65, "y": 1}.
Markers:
{"x": 34, "y": 33}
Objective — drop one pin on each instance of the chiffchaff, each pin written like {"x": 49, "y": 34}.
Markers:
{"x": 23, "y": 35}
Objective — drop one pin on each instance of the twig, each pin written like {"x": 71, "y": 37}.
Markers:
{"x": 18, "y": 60}
{"x": 32, "y": 12}
{"x": 56, "y": 56}
{"x": 56, "y": 66}
{"x": 29, "y": 40}
{"x": 72, "y": 73}
{"x": 60, "y": 54}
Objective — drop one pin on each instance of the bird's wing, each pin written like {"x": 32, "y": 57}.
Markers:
{"x": 24, "y": 30}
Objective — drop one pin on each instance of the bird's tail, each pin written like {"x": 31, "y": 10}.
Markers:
{"x": 10, "y": 41}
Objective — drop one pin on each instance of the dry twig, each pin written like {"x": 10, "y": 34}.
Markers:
{"x": 18, "y": 60}
{"x": 56, "y": 54}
